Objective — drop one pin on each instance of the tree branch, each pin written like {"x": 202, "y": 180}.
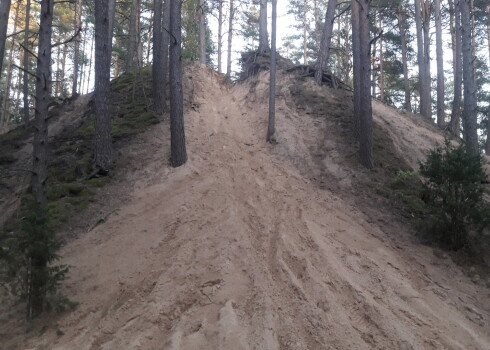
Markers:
{"x": 24, "y": 70}
{"x": 29, "y": 51}
{"x": 68, "y": 40}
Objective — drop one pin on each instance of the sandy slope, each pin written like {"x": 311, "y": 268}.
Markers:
{"x": 239, "y": 249}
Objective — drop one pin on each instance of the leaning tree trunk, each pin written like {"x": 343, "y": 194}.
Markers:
{"x": 402, "y": 27}
{"x": 76, "y": 50}
{"x": 103, "y": 139}
{"x": 158, "y": 75}
{"x": 271, "y": 129}
{"x": 365, "y": 112}
{"x": 441, "y": 114}
{"x": 324, "y": 54}
{"x": 230, "y": 39}
{"x": 263, "y": 35}
{"x": 202, "y": 31}
{"x": 4, "y": 20}
{"x": 469, "y": 103}
{"x": 178, "y": 152}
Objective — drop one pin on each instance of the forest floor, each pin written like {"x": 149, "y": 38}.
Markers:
{"x": 258, "y": 246}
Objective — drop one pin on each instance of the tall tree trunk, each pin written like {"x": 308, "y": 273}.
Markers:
{"x": 423, "y": 83}
{"x": 356, "y": 67}
{"x": 487, "y": 144}
{"x": 202, "y": 31}
{"x": 454, "y": 124}
{"x": 365, "y": 113}
{"x": 470, "y": 103}
{"x": 381, "y": 65}
{"x": 230, "y": 39}
{"x": 441, "y": 114}
{"x": 402, "y": 27}
{"x": 263, "y": 35}
{"x": 271, "y": 129}
{"x": 6, "y": 94}
{"x": 178, "y": 152}
{"x": 305, "y": 33}
{"x": 103, "y": 139}
{"x": 76, "y": 50}
{"x": 132, "y": 63}
{"x": 427, "y": 112}
{"x": 220, "y": 34}
{"x": 165, "y": 50}
{"x": 4, "y": 21}
{"x": 40, "y": 146}
{"x": 25, "y": 65}
{"x": 324, "y": 54}
{"x": 158, "y": 74}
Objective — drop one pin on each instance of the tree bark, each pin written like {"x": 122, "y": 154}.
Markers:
{"x": 25, "y": 77}
{"x": 470, "y": 102}
{"x": 324, "y": 54}
{"x": 487, "y": 143}
{"x": 454, "y": 124}
{"x": 230, "y": 39}
{"x": 158, "y": 74}
{"x": 365, "y": 113}
{"x": 356, "y": 66}
{"x": 76, "y": 50}
{"x": 271, "y": 129}
{"x": 132, "y": 60}
{"x": 103, "y": 139}
{"x": 220, "y": 34}
{"x": 263, "y": 35}
{"x": 202, "y": 31}
{"x": 4, "y": 20}
{"x": 178, "y": 152}
{"x": 43, "y": 91}
{"x": 441, "y": 110}
{"x": 4, "y": 120}
{"x": 424, "y": 83}
{"x": 402, "y": 27}
{"x": 381, "y": 65}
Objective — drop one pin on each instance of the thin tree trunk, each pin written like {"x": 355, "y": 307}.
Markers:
{"x": 271, "y": 129}
{"x": 202, "y": 31}
{"x": 89, "y": 75}
{"x": 158, "y": 73}
{"x": 25, "y": 65}
{"x": 76, "y": 51}
{"x": 263, "y": 35}
{"x": 454, "y": 124}
{"x": 403, "y": 38}
{"x": 487, "y": 144}
{"x": 365, "y": 113}
{"x": 103, "y": 139}
{"x": 470, "y": 103}
{"x": 177, "y": 132}
{"x": 356, "y": 59}
{"x": 381, "y": 66}
{"x": 4, "y": 20}
{"x": 220, "y": 34}
{"x": 6, "y": 94}
{"x": 324, "y": 54}
{"x": 230, "y": 39}
{"x": 421, "y": 59}
{"x": 57, "y": 84}
{"x": 427, "y": 112}
{"x": 305, "y": 34}
{"x": 165, "y": 50}
{"x": 441, "y": 114}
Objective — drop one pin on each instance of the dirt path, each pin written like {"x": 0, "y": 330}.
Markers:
{"x": 239, "y": 250}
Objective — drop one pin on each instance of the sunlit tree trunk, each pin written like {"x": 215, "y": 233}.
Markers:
{"x": 441, "y": 110}
{"x": 220, "y": 34}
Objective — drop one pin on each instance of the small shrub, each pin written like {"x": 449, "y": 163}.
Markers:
{"x": 454, "y": 194}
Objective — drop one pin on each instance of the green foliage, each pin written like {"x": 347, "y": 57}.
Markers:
{"x": 28, "y": 261}
{"x": 454, "y": 194}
